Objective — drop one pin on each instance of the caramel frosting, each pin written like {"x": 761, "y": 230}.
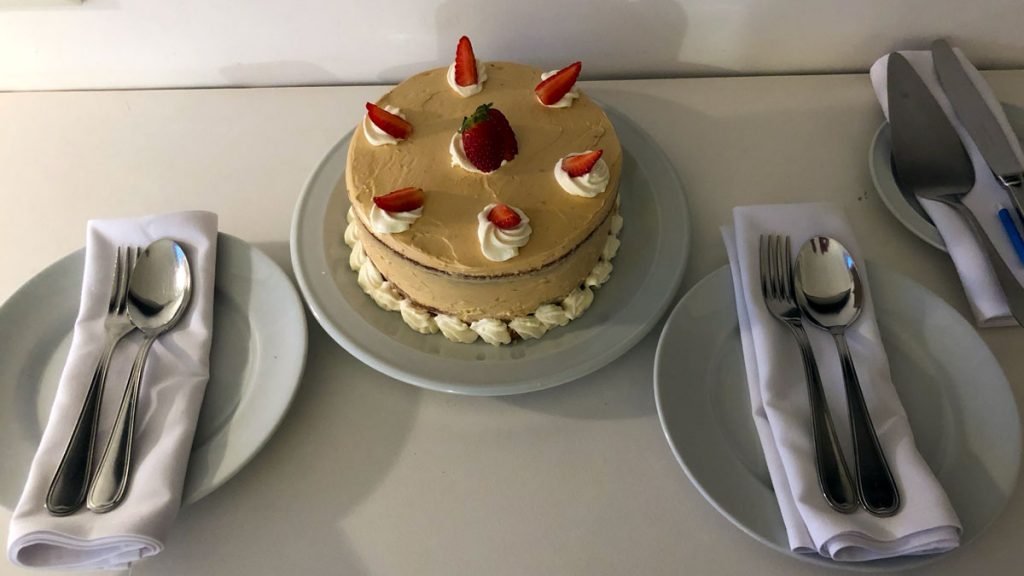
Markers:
{"x": 444, "y": 238}
{"x": 468, "y": 324}
{"x": 473, "y": 298}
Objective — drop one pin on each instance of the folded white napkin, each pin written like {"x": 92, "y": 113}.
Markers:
{"x": 171, "y": 395}
{"x": 926, "y": 523}
{"x": 986, "y": 198}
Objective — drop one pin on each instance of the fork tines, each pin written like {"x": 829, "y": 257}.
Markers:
{"x": 776, "y": 268}
{"x": 124, "y": 264}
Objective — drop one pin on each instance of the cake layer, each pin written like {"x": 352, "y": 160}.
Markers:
{"x": 501, "y": 297}
{"x": 444, "y": 238}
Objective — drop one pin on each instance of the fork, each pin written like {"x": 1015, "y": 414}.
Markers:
{"x": 777, "y": 288}
{"x": 70, "y": 482}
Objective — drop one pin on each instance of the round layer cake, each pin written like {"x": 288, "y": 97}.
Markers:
{"x": 436, "y": 271}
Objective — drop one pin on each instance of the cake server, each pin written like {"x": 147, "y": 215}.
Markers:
{"x": 930, "y": 161}
{"x": 980, "y": 122}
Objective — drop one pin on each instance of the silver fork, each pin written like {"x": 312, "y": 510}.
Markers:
{"x": 777, "y": 288}
{"x": 70, "y": 482}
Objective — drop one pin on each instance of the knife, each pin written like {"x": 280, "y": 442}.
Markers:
{"x": 980, "y": 122}
{"x": 931, "y": 162}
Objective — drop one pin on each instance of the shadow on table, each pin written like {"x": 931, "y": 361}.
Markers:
{"x": 291, "y": 502}
{"x": 621, "y": 390}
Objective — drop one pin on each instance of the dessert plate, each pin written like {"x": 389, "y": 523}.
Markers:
{"x": 257, "y": 357}
{"x": 958, "y": 401}
{"x": 648, "y": 270}
{"x": 906, "y": 209}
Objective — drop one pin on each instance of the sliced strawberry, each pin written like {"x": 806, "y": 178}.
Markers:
{"x": 579, "y": 164}
{"x": 504, "y": 217}
{"x": 465, "y": 63}
{"x": 402, "y": 200}
{"x": 558, "y": 84}
{"x": 488, "y": 139}
{"x": 391, "y": 124}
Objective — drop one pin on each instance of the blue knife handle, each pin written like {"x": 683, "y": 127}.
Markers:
{"x": 1011, "y": 230}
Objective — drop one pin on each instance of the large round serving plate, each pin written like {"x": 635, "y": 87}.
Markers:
{"x": 648, "y": 270}
{"x": 956, "y": 396}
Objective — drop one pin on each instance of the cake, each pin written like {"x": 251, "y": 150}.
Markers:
{"x": 484, "y": 200}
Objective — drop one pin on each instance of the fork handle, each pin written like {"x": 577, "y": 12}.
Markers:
{"x": 111, "y": 481}
{"x": 68, "y": 487}
{"x": 833, "y": 475}
{"x": 875, "y": 484}
{"x": 1012, "y": 289}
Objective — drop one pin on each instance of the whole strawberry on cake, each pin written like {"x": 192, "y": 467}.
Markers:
{"x": 484, "y": 200}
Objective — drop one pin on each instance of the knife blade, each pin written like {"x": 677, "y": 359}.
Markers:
{"x": 931, "y": 162}
{"x": 978, "y": 119}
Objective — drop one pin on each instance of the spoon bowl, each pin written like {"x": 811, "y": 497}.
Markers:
{"x": 827, "y": 283}
{"x": 160, "y": 288}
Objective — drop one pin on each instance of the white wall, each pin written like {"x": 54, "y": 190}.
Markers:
{"x": 154, "y": 43}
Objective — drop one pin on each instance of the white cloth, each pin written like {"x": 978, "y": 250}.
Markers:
{"x": 926, "y": 522}
{"x": 171, "y": 395}
{"x": 986, "y": 198}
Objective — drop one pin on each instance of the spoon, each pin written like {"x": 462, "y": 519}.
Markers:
{"x": 829, "y": 291}
{"x": 158, "y": 295}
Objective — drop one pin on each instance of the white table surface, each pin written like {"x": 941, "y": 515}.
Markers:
{"x": 367, "y": 475}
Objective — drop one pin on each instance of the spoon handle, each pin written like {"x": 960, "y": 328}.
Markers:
{"x": 67, "y": 489}
{"x": 875, "y": 484}
{"x": 833, "y": 475}
{"x": 110, "y": 484}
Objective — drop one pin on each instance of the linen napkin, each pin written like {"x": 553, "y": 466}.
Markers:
{"x": 170, "y": 398}
{"x": 926, "y": 522}
{"x": 986, "y": 198}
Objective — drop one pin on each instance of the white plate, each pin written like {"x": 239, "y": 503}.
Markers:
{"x": 648, "y": 269}
{"x": 957, "y": 399}
{"x": 907, "y": 210}
{"x": 258, "y": 353}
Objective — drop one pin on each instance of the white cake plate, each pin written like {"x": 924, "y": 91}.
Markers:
{"x": 648, "y": 270}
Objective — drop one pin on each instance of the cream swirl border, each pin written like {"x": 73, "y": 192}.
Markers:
{"x": 493, "y": 331}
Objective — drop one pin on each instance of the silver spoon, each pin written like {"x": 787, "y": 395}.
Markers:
{"x": 829, "y": 291}
{"x": 158, "y": 295}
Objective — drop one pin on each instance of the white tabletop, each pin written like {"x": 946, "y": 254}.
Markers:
{"x": 371, "y": 476}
